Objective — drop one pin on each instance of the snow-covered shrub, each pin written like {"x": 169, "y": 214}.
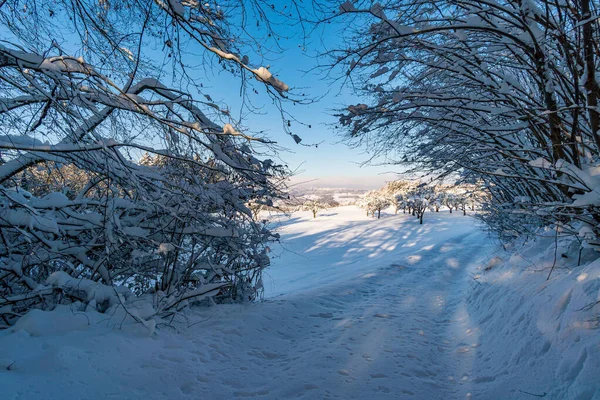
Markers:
{"x": 82, "y": 217}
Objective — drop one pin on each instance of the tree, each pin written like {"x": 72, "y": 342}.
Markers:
{"x": 397, "y": 191}
{"x": 314, "y": 206}
{"x": 419, "y": 197}
{"x": 420, "y": 205}
{"x": 450, "y": 201}
{"x": 497, "y": 92}
{"x": 373, "y": 202}
{"x": 175, "y": 224}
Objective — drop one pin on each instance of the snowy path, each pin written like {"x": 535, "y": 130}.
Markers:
{"x": 357, "y": 309}
{"x": 396, "y": 328}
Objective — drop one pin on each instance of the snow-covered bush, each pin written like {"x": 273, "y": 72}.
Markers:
{"x": 80, "y": 212}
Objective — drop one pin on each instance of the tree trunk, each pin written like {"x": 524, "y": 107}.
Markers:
{"x": 314, "y": 214}
{"x": 421, "y": 220}
{"x": 592, "y": 91}
{"x": 378, "y": 213}
{"x": 464, "y": 211}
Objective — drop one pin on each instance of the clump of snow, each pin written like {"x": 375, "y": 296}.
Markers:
{"x": 228, "y": 129}
{"x": 60, "y": 321}
{"x": 99, "y": 295}
{"x": 165, "y": 248}
{"x": 264, "y": 75}
{"x": 493, "y": 263}
{"x": 347, "y": 6}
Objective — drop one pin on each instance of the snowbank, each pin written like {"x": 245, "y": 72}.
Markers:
{"x": 536, "y": 337}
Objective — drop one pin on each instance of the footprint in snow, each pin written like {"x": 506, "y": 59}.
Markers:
{"x": 383, "y": 389}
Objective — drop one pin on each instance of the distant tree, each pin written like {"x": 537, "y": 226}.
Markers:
{"x": 419, "y": 199}
{"x": 450, "y": 201}
{"x": 397, "y": 192}
{"x": 421, "y": 204}
{"x": 314, "y": 206}
{"x": 255, "y": 208}
{"x": 374, "y": 201}
{"x": 329, "y": 201}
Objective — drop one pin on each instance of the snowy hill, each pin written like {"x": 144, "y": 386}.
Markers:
{"x": 356, "y": 308}
{"x": 344, "y": 196}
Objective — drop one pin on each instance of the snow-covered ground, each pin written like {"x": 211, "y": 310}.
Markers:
{"x": 356, "y": 308}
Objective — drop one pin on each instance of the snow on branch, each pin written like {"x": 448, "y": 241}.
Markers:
{"x": 112, "y": 189}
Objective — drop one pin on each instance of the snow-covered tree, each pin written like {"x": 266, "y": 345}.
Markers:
{"x": 397, "y": 192}
{"x": 314, "y": 206}
{"x": 329, "y": 201}
{"x": 85, "y": 99}
{"x": 504, "y": 93}
{"x": 419, "y": 199}
{"x": 373, "y": 202}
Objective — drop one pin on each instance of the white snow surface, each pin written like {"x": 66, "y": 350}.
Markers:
{"x": 356, "y": 308}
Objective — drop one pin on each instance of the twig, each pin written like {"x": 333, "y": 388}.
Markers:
{"x": 588, "y": 307}
{"x": 533, "y": 394}
{"x": 555, "y": 251}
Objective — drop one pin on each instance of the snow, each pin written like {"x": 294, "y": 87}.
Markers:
{"x": 92, "y": 292}
{"x": 537, "y": 336}
{"x": 264, "y": 75}
{"x": 355, "y": 308}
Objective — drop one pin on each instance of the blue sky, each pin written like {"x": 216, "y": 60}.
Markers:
{"x": 332, "y": 158}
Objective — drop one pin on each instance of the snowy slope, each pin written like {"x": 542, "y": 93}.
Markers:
{"x": 537, "y": 337}
{"x": 343, "y": 243}
{"x": 356, "y": 308}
